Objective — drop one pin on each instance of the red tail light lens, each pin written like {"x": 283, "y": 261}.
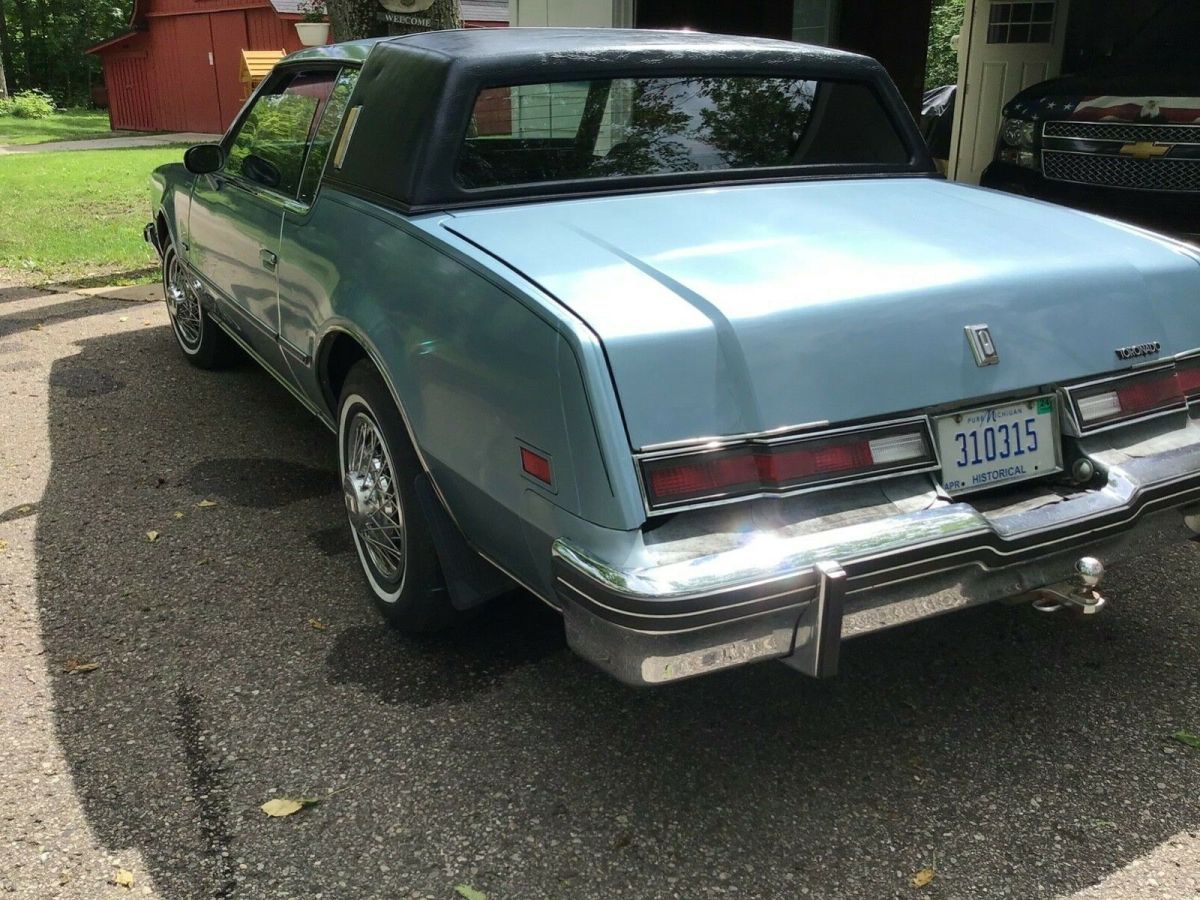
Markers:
{"x": 717, "y": 473}
{"x": 1188, "y": 375}
{"x": 780, "y": 467}
{"x": 1134, "y": 396}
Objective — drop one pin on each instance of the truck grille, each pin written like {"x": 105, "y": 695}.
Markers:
{"x": 1175, "y": 175}
{"x": 1125, "y": 132}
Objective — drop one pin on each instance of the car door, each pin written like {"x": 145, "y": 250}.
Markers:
{"x": 236, "y": 213}
{"x": 308, "y": 247}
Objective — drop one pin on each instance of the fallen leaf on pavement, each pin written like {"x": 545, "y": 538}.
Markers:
{"x": 923, "y": 878}
{"x": 122, "y": 878}
{"x": 152, "y": 536}
{"x": 1187, "y": 738}
{"x": 286, "y": 806}
{"x": 123, "y": 319}
{"x": 74, "y": 666}
{"x": 205, "y": 504}
{"x": 178, "y": 515}
{"x": 37, "y": 327}
{"x": 3, "y": 546}
{"x": 317, "y": 624}
{"x": 469, "y": 893}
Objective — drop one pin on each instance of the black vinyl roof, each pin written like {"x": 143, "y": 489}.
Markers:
{"x": 417, "y": 94}
{"x": 508, "y": 51}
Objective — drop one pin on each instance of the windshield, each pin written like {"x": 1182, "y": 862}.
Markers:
{"x": 623, "y": 127}
{"x": 1169, "y": 37}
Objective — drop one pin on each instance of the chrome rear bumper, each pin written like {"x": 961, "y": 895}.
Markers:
{"x": 795, "y": 591}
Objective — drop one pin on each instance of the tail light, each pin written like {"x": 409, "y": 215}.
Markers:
{"x": 1187, "y": 373}
{"x": 783, "y": 466}
{"x": 1118, "y": 400}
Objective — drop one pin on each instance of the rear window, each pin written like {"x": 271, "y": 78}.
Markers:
{"x": 627, "y": 127}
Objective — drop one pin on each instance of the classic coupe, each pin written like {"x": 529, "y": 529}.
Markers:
{"x": 684, "y": 334}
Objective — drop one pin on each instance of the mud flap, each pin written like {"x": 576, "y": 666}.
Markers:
{"x": 470, "y": 579}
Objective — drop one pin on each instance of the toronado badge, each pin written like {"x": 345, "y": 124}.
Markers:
{"x": 1148, "y": 349}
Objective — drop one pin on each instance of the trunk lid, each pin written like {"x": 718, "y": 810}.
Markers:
{"x": 747, "y": 308}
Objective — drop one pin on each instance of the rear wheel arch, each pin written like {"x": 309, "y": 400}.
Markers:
{"x": 337, "y": 355}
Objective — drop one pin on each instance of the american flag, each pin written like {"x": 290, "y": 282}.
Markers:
{"x": 1173, "y": 110}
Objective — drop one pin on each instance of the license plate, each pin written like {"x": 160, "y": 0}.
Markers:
{"x": 994, "y": 445}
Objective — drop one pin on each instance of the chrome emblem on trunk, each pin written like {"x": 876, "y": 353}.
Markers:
{"x": 1147, "y": 349}
{"x": 982, "y": 345}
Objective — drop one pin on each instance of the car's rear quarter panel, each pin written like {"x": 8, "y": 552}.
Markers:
{"x": 478, "y": 368}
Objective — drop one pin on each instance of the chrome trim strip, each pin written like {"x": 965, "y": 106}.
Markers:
{"x": 339, "y": 155}
{"x": 714, "y": 442}
{"x": 659, "y": 617}
{"x": 699, "y": 628}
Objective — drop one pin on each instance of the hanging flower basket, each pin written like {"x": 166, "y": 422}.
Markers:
{"x": 313, "y": 34}
{"x": 313, "y": 28}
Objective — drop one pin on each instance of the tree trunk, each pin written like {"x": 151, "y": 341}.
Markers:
{"x": 5, "y": 53}
{"x": 353, "y": 19}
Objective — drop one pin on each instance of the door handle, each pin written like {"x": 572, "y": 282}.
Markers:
{"x": 269, "y": 260}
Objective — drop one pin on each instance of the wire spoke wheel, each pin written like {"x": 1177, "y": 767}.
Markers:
{"x": 184, "y": 306}
{"x": 373, "y": 498}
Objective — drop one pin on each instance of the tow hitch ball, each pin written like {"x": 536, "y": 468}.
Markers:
{"x": 1080, "y": 593}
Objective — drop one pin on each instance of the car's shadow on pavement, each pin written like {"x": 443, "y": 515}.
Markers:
{"x": 239, "y": 661}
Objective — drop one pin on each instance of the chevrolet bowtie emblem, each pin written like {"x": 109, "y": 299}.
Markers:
{"x": 1146, "y": 150}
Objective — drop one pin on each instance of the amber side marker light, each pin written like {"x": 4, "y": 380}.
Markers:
{"x": 765, "y": 468}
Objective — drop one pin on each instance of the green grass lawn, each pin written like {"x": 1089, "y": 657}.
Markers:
{"x": 78, "y": 217}
{"x": 71, "y": 125}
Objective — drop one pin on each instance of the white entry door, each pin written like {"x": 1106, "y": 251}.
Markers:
{"x": 1005, "y": 47}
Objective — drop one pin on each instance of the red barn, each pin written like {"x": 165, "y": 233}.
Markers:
{"x": 178, "y": 68}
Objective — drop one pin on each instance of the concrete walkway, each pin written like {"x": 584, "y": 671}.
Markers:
{"x": 114, "y": 143}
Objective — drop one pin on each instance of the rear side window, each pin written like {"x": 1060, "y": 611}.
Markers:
{"x": 335, "y": 109}
{"x": 271, "y": 143}
{"x": 624, "y": 127}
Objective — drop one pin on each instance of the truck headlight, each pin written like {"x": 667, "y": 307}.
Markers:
{"x": 1017, "y": 133}
{"x": 1017, "y": 138}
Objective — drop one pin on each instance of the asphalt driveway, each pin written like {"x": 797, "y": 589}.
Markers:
{"x": 157, "y": 691}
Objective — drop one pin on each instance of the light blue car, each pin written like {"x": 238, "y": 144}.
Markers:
{"x": 684, "y": 334}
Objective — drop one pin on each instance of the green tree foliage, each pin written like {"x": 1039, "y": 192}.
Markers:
{"x": 276, "y": 131}
{"x": 31, "y": 104}
{"x": 756, "y": 121}
{"x": 42, "y": 44}
{"x": 942, "y": 64}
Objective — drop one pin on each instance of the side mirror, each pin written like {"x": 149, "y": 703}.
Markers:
{"x": 204, "y": 159}
{"x": 261, "y": 171}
